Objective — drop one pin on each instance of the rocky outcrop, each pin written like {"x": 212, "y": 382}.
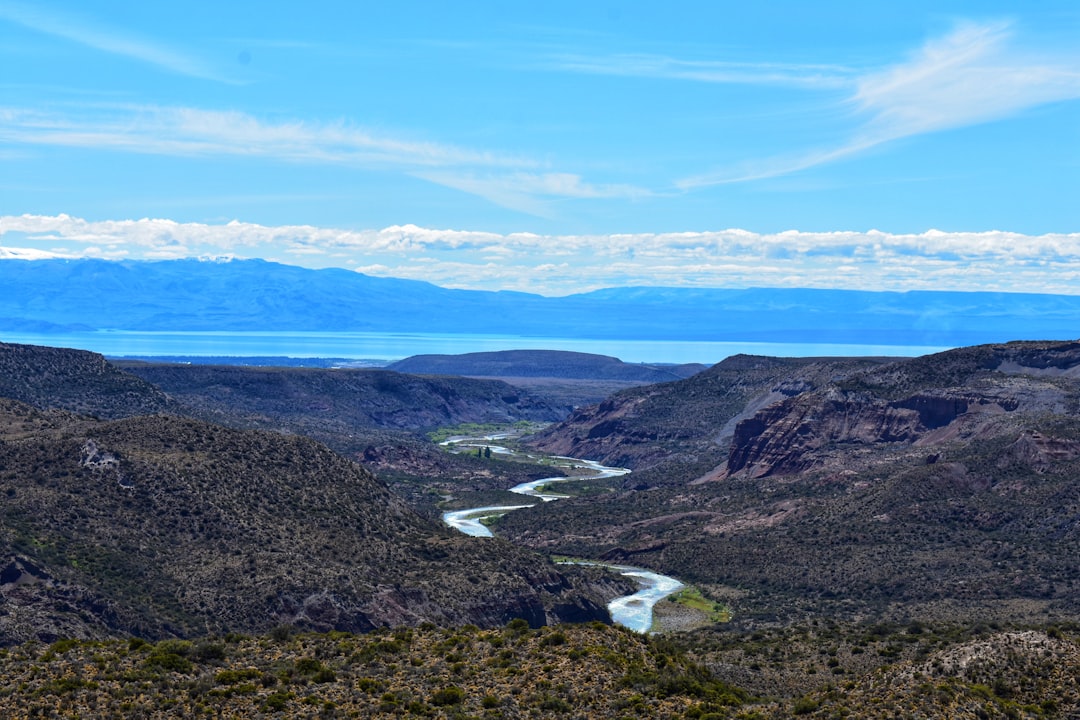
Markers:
{"x": 1039, "y": 452}
{"x": 787, "y": 436}
{"x": 693, "y": 418}
{"x": 781, "y": 438}
{"x": 1054, "y": 359}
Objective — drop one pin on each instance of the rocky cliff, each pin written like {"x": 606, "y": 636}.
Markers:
{"x": 942, "y": 486}
{"x": 688, "y": 420}
{"x": 923, "y": 402}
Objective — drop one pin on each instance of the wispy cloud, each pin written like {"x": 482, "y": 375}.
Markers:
{"x": 193, "y": 131}
{"x": 709, "y": 71}
{"x": 515, "y": 182}
{"x": 971, "y": 76}
{"x": 113, "y": 40}
{"x": 531, "y": 192}
{"x": 563, "y": 264}
{"x": 976, "y": 74}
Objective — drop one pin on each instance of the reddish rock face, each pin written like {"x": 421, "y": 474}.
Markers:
{"x": 643, "y": 427}
{"x": 996, "y": 380}
{"x": 780, "y": 439}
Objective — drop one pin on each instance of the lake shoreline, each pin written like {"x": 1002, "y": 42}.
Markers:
{"x": 382, "y": 348}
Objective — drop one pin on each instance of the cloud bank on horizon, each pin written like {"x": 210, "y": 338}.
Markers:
{"x": 580, "y": 146}
{"x": 997, "y": 261}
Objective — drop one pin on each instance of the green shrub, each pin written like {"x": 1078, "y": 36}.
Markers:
{"x": 324, "y": 675}
{"x": 369, "y": 685}
{"x": 232, "y": 677}
{"x": 452, "y": 695}
{"x": 555, "y": 638}
{"x": 308, "y": 666}
{"x": 276, "y": 701}
{"x": 169, "y": 661}
{"x": 65, "y": 685}
{"x": 173, "y": 647}
{"x": 62, "y": 646}
{"x": 283, "y": 633}
{"x": 518, "y": 625}
{"x": 210, "y": 651}
{"x": 554, "y": 704}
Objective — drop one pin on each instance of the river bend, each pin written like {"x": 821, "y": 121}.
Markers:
{"x": 631, "y": 611}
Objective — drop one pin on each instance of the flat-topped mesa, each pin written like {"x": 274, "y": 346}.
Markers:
{"x": 543, "y": 363}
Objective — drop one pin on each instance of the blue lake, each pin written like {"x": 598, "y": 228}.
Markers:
{"x": 385, "y": 346}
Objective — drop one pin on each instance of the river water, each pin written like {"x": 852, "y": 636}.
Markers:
{"x": 631, "y": 611}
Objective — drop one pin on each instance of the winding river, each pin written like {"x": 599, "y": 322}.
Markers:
{"x": 631, "y": 611}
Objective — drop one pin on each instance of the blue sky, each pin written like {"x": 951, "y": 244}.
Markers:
{"x": 557, "y": 147}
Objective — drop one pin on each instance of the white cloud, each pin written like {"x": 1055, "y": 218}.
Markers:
{"x": 531, "y": 192}
{"x": 975, "y": 74}
{"x": 709, "y": 71}
{"x": 563, "y": 264}
{"x": 192, "y": 131}
{"x": 17, "y": 253}
{"x": 511, "y": 181}
{"x": 971, "y": 76}
{"x": 90, "y": 33}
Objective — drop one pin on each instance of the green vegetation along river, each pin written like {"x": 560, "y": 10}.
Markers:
{"x": 631, "y": 611}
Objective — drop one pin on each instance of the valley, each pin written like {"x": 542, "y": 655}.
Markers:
{"x": 939, "y": 487}
{"x": 841, "y": 520}
{"x": 613, "y": 360}
{"x": 631, "y": 611}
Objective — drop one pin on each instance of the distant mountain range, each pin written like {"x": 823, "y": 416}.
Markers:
{"x": 47, "y": 296}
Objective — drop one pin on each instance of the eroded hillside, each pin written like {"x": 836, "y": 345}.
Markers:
{"x": 300, "y": 398}
{"x": 160, "y": 525}
{"x": 374, "y": 417}
{"x": 940, "y": 487}
{"x": 971, "y": 394}
{"x": 689, "y": 421}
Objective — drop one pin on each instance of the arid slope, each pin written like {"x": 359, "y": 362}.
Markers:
{"x": 940, "y": 487}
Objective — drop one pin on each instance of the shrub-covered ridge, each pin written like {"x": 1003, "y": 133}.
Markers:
{"x": 514, "y": 672}
{"x": 571, "y": 671}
